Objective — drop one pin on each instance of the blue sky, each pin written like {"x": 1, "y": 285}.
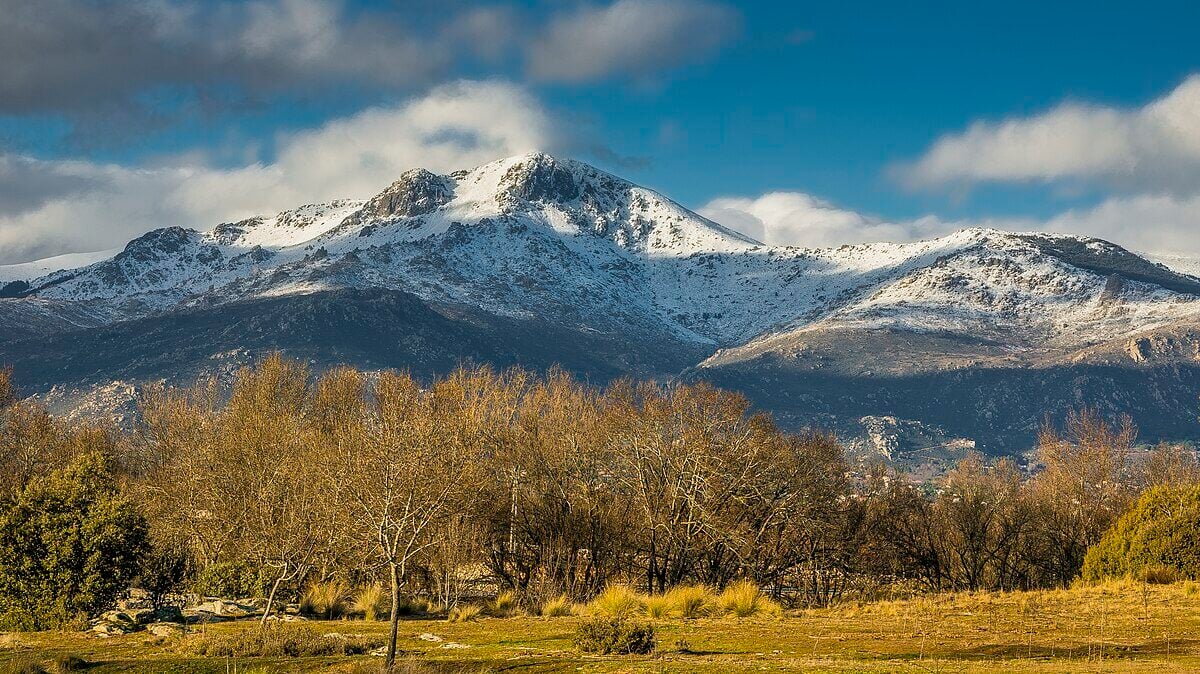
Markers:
{"x": 841, "y": 105}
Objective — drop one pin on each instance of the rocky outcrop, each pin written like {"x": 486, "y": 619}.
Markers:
{"x": 417, "y": 192}
{"x": 540, "y": 177}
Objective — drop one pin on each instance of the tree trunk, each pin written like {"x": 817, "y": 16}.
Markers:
{"x": 271, "y": 597}
{"x": 395, "y": 618}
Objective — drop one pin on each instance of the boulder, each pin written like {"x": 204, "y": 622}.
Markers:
{"x": 167, "y": 614}
{"x": 226, "y": 609}
{"x": 115, "y": 622}
{"x": 165, "y": 629}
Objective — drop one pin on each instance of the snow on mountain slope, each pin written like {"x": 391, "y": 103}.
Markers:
{"x": 1183, "y": 264}
{"x": 536, "y": 236}
{"x": 30, "y": 270}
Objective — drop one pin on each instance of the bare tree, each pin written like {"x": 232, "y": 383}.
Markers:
{"x": 405, "y": 469}
{"x": 1085, "y": 484}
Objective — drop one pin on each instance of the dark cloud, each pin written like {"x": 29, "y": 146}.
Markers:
{"x": 77, "y": 56}
{"x": 630, "y": 38}
{"x": 27, "y": 184}
{"x": 85, "y": 58}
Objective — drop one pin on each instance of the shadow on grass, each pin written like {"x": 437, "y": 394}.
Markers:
{"x": 1076, "y": 651}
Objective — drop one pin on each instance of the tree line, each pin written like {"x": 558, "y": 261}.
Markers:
{"x": 547, "y": 486}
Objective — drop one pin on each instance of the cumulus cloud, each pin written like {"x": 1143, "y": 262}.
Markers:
{"x": 1155, "y": 146}
{"x": 798, "y": 219}
{"x": 80, "y": 205}
{"x": 1161, "y": 224}
{"x": 633, "y": 38}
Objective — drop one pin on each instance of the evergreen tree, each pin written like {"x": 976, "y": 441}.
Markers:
{"x": 70, "y": 544}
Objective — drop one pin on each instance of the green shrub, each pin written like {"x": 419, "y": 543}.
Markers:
{"x": 164, "y": 572}
{"x": 70, "y": 544}
{"x": 281, "y": 640}
{"x": 230, "y": 580}
{"x": 1157, "y": 539}
{"x": 615, "y": 636}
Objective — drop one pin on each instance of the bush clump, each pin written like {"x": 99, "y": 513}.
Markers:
{"x": 615, "y": 636}
{"x": 231, "y": 580}
{"x": 70, "y": 545}
{"x": 164, "y": 572}
{"x": 281, "y": 640}
{"x": 1157, "y": 540}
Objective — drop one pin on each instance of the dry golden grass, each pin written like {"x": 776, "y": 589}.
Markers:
{"x": 370, "y": 602}
{"x": 327, "y": 599}
{"x": 617, "y": 600}
{"x": 1125, "y": 626}
{"x": 657, "y": 606}
{"x": 504, "y": 605}
{"x": 557, "y": 607}
{"x": 465, "y": 613}
{"x": 744, "y": 599}
{"x": 690, "y": 601}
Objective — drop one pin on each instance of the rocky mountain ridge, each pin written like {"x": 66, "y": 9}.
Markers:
{"x": 602, "y": 264}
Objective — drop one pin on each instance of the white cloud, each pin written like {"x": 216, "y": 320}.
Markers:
{"x": 798, "y": 219}
{"x": 1156, "y": 146}
{"x": 634, "y": 38}
{"x": 1162, "y": 224}
{"x": 82, "y": 205}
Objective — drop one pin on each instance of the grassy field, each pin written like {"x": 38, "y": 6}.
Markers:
{"x": 1119, "y": 627}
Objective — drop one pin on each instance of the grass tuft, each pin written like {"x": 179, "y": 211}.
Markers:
{"x": 465, "y": 613}
{"x": 617, "y": 601}
{"x": 370, "y": 602}
{"x": 557, "y": 607}
{"x": 690, "y": 601}
{"x": 744, "y": 599}
{"x": 658, "y": 606}
{"x": 68, "y": 662}
{"x": 1160, "y": 574}
{"x": 504, "y": 605}
{"x": 327, "y": 599}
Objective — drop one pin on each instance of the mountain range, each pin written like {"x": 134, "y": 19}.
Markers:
{"x": 971, "y": 340}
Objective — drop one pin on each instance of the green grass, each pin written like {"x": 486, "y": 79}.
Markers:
{"x": 1115, "y": 627}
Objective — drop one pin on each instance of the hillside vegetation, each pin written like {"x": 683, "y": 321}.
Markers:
{"x": 485, "y": 496}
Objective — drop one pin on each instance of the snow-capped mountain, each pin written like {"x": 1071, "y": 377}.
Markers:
{"x": 624, "y": 279}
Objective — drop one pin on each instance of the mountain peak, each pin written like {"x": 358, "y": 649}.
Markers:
{"x": 540, "y": 177}
{"x": 417, "y": 192}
